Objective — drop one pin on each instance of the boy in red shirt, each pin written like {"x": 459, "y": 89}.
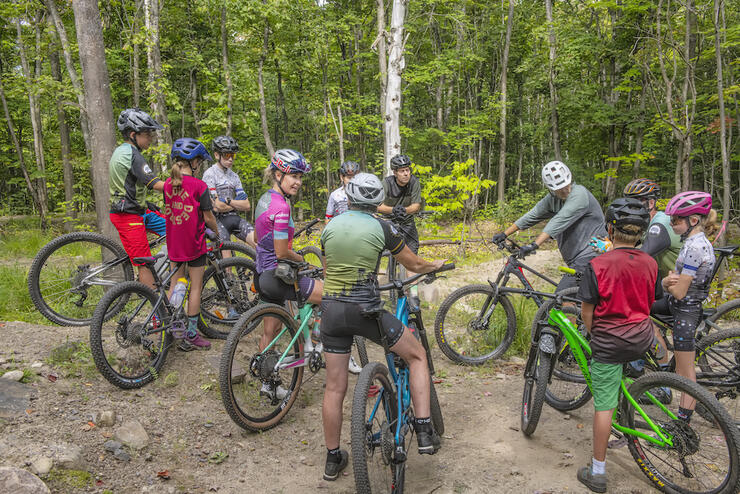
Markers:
{"x": 188, "y": 209}
{"x": 616, "y": 290}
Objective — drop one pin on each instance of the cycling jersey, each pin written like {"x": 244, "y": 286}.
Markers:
{"x": 337, "y": 203}
{"x": 352, "y": 244}
{"x": 696, "y": 259}
{"x": 273, "y": 222}
{"x": 130, "y": 176}
{"x": 186, "y": 227}
{"x": 405, "y": 196}
{"x": 662, "y": 243}
{"x": 224, "y": 184}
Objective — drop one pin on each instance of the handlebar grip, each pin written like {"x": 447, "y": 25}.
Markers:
{"x": 447, "y": 267}
{"x": 566, "y": 270}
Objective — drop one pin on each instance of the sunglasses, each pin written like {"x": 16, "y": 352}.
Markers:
{"x": 228, "y": 156}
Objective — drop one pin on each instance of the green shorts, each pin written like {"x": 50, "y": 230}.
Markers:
{"x": 605, "y": 379}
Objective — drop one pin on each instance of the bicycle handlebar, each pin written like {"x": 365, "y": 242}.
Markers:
{"x": 308, "y": 228}
{"x": 567, "y": 270}
{"x": 408, "y": 281}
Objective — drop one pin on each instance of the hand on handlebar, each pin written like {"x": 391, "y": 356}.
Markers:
{"x": 600, "y": 244}
{"x": 498, "y": 238}
{"x": 528, "y": 249}
{"x": 399, "y": 212}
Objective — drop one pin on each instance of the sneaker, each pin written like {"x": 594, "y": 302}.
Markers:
{"x": 353, "y": 367}
{"x": 595, "y": 482}
{"x": 332, "y": 469}
{"x": 664, "y": 395}
{"x": 428, "y": 441}
{"x": 197, "y": 342}
{"x": 267, "y": 390}
{"x": 232, "y": 314}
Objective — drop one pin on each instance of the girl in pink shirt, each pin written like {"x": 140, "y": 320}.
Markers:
{"x": 188, "y": 210}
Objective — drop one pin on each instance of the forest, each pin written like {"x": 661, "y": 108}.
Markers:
{"x": 479, "y": 94}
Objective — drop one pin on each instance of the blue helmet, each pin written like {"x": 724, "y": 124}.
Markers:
{"x": 188, "y": 148}
{"x": 289, "y": 161}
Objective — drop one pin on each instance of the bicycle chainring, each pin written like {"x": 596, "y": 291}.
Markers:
{"x": 263, "y": 364}
{"x": 315, "y": 362}
{"x": 685, "y": 440}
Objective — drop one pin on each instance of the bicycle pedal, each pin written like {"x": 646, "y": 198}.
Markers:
{"x": 617, "y": 443}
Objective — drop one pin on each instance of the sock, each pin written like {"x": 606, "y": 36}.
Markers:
{"x": 684, "y": 414}
{"x": 422, "y": 424}
{"x": 598, "y": 467}
{"x": 193, "y": 326}
{"x": 332, "y": 455}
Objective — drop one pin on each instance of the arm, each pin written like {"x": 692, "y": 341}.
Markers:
{"x": 587, "y": 314}
{"x": 143, "y": 173}
{"x": 158, "y": 186}
{"x": 541, "y": 211}
{"x": 283, "y": 250}
{"x": 679, "y": 285}
{"x": 206, "y": 205}
{"x": 240, "y": 205}
{"x": 210, "y": 220}
{"x": 588, "y": 294}
{"x": 414, "y": 263}
{"x": 657, "y": 240}
{"x": 383, "y": 209}
{"x": 413, "y": 208}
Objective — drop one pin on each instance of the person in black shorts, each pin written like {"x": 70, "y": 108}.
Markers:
{"x": 353, "y": 244}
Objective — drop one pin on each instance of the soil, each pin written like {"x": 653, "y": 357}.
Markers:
{"x": 483, "y": 449}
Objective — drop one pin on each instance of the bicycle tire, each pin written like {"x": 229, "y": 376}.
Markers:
{"x": 533, "y": 397}
{"x": 232, "y": 365}
{"x": 718, "y": 360}
{"x": 688, "y": 446}
{"x": 443, "y": 326}
{"x": 215, "y": 321}
{"x": 361, "y": 350}
{"x": 313, "y": 254}
{"x": 435, "y": 409}
{"x": 241, "y": 248}
{"x": 102, "y": 346}
{"x": 82, "y": 315}
{"x": 373, "y": 470}
{"x": 726, "y": 316}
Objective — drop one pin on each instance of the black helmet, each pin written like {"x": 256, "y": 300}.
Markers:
{"x": 225, "y": 144}
{"x": 400, "y": 161}
{"x": 642, "y": 188}
{"x": 365, "y": 189}
{"x": 136, "y": 120}
{"x": 349, "y": 168}
{"x": 627, "y": 211}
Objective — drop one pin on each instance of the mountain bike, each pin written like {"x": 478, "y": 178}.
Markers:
{"x": 251, "y": 379}
{"x": 311, "y": 254}
{"x": 70, "y": 274}
{"x": 477, "y": 323}
{"x": 382, "y": 413}
{"x": 700, "y": 455}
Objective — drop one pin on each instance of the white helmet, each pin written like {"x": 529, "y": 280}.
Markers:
{"x": 365, "y": 189}
{"x": 556, "y": 175}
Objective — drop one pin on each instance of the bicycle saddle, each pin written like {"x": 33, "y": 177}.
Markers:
{"x": 372, "y": 311}
{"x": 149, "y": 260}
{"x": 727, "y": 249}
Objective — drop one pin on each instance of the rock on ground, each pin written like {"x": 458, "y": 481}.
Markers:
{"x": 106, "y": 419}
{"x": 20, "y": 481}
{"x": 41, "y": 465}
{"x": 69, "y": 457}
{"x": 14, "y": 375}
{"x": 15, "y": 398}
{"x": 132, "y": 434}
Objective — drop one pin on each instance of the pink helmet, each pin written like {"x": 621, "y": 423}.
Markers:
{"x": 688, "y": 203}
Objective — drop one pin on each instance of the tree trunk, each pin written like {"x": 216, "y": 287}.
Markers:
{"x": 551, "y": 81}
{"x": 97, "y": 95}
{"x": 502, "y": 148}
{"x": 154, "y": 63}
{"x": 71, "y": 210}
{"x": 396, "y": 65}
{"x": 194, "y": 101}
{"x": 38, "y": 138}
{"x": 640, "y": 130}
{"x": 339, "y": 128}
{"x": 135, "y": 56}
{"x": 726, "y": 181}
{"x": 380, "y": 42}
{"x": 227, "y": 71}
{"x": 261, "y": 88}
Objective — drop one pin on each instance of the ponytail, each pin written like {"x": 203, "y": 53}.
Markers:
{"x": 176, "y": 175}
{"x": 268, "y": 176}
{"x": 709, "y": 223}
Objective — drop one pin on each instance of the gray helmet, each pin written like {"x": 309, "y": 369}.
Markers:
{"x": 400, "y": 161}
{"x": 136, "y": 120}
{"x": 349, "y": 167}
{"x": 365, "y": 189}
{"x": 225, "y": 144}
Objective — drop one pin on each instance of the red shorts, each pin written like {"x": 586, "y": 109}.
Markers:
{"x": 132, "y": 232}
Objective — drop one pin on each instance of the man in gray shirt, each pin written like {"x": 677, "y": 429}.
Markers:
{"x": 574, "y": 217}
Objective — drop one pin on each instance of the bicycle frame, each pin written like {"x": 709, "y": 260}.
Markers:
{"x": 304, "y": 315}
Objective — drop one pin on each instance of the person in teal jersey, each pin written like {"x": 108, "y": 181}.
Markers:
{"x": 353, "y": 244}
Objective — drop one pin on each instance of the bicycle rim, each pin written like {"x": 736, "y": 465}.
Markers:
{"x": 703, "y": 454}
{"x": 726, "y": 317}
{"x": 718, "y": 368}
{"x": 255, "y": 396}
{"x": 227, "y": 294}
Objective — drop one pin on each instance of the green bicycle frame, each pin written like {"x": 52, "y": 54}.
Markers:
{"x": 303, "y": 315}
{"x": 579, "y": 347}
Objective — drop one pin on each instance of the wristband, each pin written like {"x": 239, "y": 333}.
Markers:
{"x": 228, "y": 201}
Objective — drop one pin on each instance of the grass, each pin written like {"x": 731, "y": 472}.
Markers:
{"x": 16, "y": 304}
{"x": 68, "y": 480}
{"x": 74, "y": 359}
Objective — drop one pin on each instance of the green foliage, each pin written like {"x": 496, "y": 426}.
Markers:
{"x": 452, "y": 194}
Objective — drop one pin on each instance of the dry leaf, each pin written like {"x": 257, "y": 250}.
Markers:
{"x": 52, "y": 377}
{"x": 164, "y": 475}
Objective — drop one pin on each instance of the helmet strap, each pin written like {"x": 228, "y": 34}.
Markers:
{"x": 135, "y": 142}
{"x": 689, "y": 228}
{"x": 280, "y": 185}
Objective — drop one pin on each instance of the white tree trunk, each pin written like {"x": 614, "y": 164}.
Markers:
{"x": 504, "y": 65}
{"x": 154, "y": 60}
{"x": 722, "y": 123}
{"x": 396, "y": 65}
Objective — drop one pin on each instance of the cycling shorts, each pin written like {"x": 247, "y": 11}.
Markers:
{"x": 275, "y": 291}
{"x": 132, "y": 230}
{"x": 579, "y": 264}
{"x": 342, "y": 321}
{"x": 233, "y": 224}
{"x": 686, "y": 318}
{"x": 198, "y": 262}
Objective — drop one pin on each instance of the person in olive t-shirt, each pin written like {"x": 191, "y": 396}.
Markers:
{"x": 402, "y": 199}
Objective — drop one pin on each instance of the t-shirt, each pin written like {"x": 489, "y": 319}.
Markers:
{"x": 696, "y": 259}
{"x": 622, "y": 283}
{"x": 662, "y": 243}
{"x": 273, "y": 222}
{"x": 405, "y": 196}
{"x": 224, "y": 184}
{"x": 572, "y": 222}
{"x": 186, "y": 227}
{"x": 353, "y": 244}
{"x": 129, "y": 177}
{"x": 337, "y": 203}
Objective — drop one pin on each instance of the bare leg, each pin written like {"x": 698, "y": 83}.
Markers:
{"x": 146, "y": 277}
{"x": 180, "y": 273}
{"x": 685, "y": 367}
{"x": 411, "y": 351}
{"x": 336, "y": 389}
{"x": 196, "y": 289}
{"x": 602, "y": 430}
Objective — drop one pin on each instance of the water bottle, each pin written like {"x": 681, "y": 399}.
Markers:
{"x": 315, "y": 325}
{"x": 178, "y": 294}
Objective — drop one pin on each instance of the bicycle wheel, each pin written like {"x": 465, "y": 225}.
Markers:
{"x": 470, "y": 330}
{"x": 436, "y": 410}
{"x": 534, "y": 393}
{"x": 567, "y": 389}
{"x": 313, "y": 256}
{"x": 239, "y": 249}
{"x": 726, "y": 316}
{"x": 718, "y": 362}
{"x": 256, "y": 396}
{"x": 227, "y": 294}
{"x": 361, "y": 350}
{"x": 374, "y": 418}
{"x": 703, "y": 456}
{"x": 70, "y": 275}
{"x": 129, "y": 349}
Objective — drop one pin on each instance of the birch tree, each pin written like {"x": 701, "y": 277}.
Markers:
{"x": 396, "y": 64}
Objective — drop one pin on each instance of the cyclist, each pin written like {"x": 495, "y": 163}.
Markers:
{"x": 274, "y": 234}
{"x": 130, "y": 177}
{"x": 402, "y": 199}
{"x": 692, "y": 217}
{"x": 227, "y": 193}
{"x": 574, "y": 217}
{"x": 188, "y": 209}
{"x": 616, "y": 290}
{"x": 353, "y": 244}
{"x": 338, "y": 199}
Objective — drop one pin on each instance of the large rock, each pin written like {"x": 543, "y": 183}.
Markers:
{"x": 132, "y": 434}
{"x": 105, "y": 419}
{"x": 69, "y": 457}
{"x": 14, "y": 375}
{"x": 20, "y": 481}
{"x": 15, "y": 398}
{"x": 41, "y": 465}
